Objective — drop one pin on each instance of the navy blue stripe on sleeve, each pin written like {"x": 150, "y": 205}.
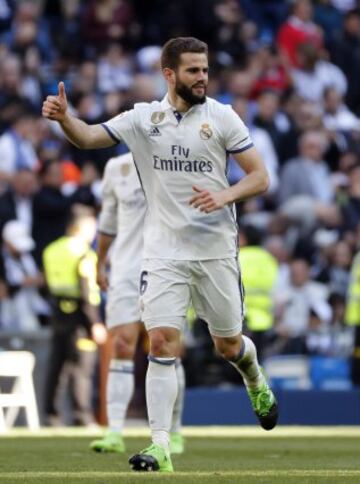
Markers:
{"x": 110, "y": 133}
{"x": 240, "y": 150}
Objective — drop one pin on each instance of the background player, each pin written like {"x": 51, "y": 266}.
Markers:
{"x": 122, "y": 216}
{"x": 181, "y": 145}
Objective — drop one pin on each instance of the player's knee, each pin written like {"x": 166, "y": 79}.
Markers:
{"x": 158, "y": 343}
{"x": 124, "y": 348}
{"x": 228, "y": 348}
{"x": 163, "y": 343}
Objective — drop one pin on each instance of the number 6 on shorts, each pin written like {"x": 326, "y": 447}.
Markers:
{"x": 143, "y": 282}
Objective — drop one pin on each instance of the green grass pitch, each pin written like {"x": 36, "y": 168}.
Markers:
{"x": 214, "y": 455}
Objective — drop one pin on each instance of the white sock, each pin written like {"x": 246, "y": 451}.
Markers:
{"x": 248, "y": 366}
{"x": 161, "y": 392}
{"x": 119, "y": 390}
{"x": 179, "y": 402}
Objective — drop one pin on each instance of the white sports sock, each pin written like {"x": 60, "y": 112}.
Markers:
{"x": 161, "y": 392}
{"x": 119, "y": 390}
{"x": 248, "y": 366}
{"x": 179, "y": 402}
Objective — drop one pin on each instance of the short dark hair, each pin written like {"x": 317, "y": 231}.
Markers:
{"x": 172, "y": 50}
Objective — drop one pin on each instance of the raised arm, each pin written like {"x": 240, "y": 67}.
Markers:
{"x": 78, "y": 132}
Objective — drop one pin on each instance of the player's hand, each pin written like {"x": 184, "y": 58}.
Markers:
{"x": 207, "y": 201}
{"x": 98, "y": 333}
{"x": 102, "y": 277}
{"x": 55, "y": 107}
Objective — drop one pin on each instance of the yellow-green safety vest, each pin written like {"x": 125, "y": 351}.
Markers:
{"x": 259, "y": 272}
{"x": 66, "y": 261}
{"x": 352, "y": 310}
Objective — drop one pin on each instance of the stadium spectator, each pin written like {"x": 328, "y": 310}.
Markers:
{"x": 337, "y": 116}
{"x": 313, "y": 75}
{"x": 329, "y": 18}
{"x": 114, "y": 70}
{"x": 308, "y": 174}
{"x": 295, "y": 303}
{"x": 50, "y": 208}
{"x": 346, "y": 54}
{"x": 23, "y": 307}
{"x": 350, "y": 201}
{"x": 276, "y": 246}
{"x": 16, "y": 201}
{"x": 270, "y": 70}
{"x": 29, "y": 30}
{"x": 106, "y": 21}
{"x": 16, "y": 147}
{"x": 270, "y": 118}
{"x": 297, "y": 29}
{"x": 53, "y": 202}
{"x": 230, "y": 41}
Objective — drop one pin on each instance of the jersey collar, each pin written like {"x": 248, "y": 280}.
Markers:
{"x": 165, "y": 105}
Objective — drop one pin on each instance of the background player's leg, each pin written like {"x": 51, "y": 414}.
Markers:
{"x": 176, "y": 439}
{"x": 120, "y": 385}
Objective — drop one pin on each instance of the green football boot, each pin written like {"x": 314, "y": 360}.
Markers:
{"x": 111, "y": 442}
{"x": 264, "y": 405}
{"x": 177, "y": 445}
{"x": 153, "y": 458}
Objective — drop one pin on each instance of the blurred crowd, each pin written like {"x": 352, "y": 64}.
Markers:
{"x": 289, "y": 68}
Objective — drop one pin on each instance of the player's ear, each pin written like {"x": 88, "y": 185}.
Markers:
{"x": 169, "y": 74}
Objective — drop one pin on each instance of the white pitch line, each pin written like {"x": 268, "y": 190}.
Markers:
{"x": 200, "y": 431}
{"x": 242, "y": 473}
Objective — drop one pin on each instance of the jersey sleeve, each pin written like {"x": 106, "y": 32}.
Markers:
{"x": 121, "y": 127}
{"x": 236, "y": 134}
{"x": 108, "y": 214}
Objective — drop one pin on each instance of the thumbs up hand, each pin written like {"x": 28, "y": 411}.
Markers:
{"x": 54, "y": 107}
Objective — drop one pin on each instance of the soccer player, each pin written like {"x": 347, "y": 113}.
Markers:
{"x": 122, "y": 216}
{"x": 180, "y": 146}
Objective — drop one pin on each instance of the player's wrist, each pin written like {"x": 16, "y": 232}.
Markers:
{"x": 228, "y": 196}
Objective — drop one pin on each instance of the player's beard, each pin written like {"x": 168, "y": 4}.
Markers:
{"x": 188, "y": 96}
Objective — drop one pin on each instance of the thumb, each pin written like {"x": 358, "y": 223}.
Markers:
{"x": 62, "y": 93}
{"x": 197, "y": 189}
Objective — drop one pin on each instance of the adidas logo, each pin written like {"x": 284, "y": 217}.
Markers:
{"x": 154, "y": 131}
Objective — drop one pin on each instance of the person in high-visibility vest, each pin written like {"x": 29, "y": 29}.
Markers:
{"x": 70, "y": 272}
{"x": 259, "y": 273}
{"x": 352, "y": 316}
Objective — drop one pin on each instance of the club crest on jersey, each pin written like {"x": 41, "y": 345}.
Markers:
{"x": 125, "y": 169}
{"x": 205, "y": 131}
{"x": 157, "y": 117}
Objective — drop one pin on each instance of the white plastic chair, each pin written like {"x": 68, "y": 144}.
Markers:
{"x": 294, "y": 370}
{"x": 18, "y": 365}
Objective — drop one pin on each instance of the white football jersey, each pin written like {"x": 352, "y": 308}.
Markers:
{"x": 122, "y": 215}
{"x": 172, "y": 155}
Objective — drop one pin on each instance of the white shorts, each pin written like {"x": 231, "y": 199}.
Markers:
{"x": 122, "y": 304}
{"x": 167, "y": 287}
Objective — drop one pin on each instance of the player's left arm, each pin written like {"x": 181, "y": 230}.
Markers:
{"x": 254, "y": 183}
